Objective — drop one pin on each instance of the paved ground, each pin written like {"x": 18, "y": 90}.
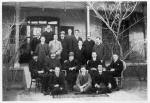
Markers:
{"x": 133, "y": 90}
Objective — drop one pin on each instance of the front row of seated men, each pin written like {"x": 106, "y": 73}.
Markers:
{"x": 93, "y": 77}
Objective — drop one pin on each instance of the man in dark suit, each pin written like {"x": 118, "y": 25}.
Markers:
{"x": 99, "y": 49}
{"x": 48, "y": 34}
{"x": 35, "y": 66}
{"x": 49, "y": 66}
{"x": 71, "y": 43}
{"x": 79, "y": 56}
{"x": 88, "y": 47}
{"x": 93, "y": 65}
{"x": 42, "y": 50}
{"x": 58, "y": 82}
{"x": 101, "y": 81}
{"x": 115, "y": 68}
{"x": 64, "y": 54}
{"x": 77, "y": 38}
{"x": 34, "y": 42}
{"x": 71, "y": 66}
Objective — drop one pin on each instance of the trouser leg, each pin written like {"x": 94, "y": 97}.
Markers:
{"x": 76, "y": 88}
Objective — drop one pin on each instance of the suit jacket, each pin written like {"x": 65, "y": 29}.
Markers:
{"x": 51, "y": 63}
{"x": 88, "y": 47}
{"x": 55, "y": 47}
{"x": 68, "y": 64}
{"x": 79, "y": 56}
{"x": 42, "y": 50}
{"x": 48, "y": 36}
{"x": 94, "y": 64}
{"x": 59, "y": 80}
{"x": 118, "y": 66}
{"x": 100, "y": 50}
{"x": 34, "y": 43}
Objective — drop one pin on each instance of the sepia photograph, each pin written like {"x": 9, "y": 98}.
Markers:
{"x": 74, "y": 51}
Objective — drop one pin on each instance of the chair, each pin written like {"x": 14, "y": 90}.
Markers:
{"x": 121, "y": 78}
{"x": 34, "y": 80}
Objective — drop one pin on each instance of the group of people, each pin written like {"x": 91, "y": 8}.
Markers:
{"x": 83, "y": 63}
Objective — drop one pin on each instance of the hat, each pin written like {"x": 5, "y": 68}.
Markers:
{"x": 71, "y": 53}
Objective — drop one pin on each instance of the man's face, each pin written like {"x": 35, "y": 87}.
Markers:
{"x": 83, "y": 70}
{"x": 100, "y": 68}
{"x": 71, "y": 58}
{"x": 98, "y": 41}
{"x": 115, "y": 57}
{"x": 94, "y": 55}
{"x": 69, "y": 31}
{"x": 62, "y": 36}
{"x": 35, "y": 57}
{"x": 57, "y": 70}
{"x": 88, "y": 38}
{"x": 80, "y": 43}
{"x": 55, "y": 37}
{"x": 76, "y": 33}
{"x": 48, "y": 29}
{"x": 42, "y": 39}
{"x": 53, "y": 55}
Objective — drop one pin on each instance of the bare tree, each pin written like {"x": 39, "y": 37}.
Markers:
{"x": 112, "y": 14}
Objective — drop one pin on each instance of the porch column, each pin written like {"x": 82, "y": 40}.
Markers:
{"x": 88, "y": 20}
{"x": 17, "y": 30}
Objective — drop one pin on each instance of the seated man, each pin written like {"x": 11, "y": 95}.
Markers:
{"x": 35, "y": 66}
{"x": 49, "y": 66}
{"x": 71, "y": 66}
{"x": 83, "y": 82}
{"x": 51, "y": 62}
{"x": 115, "y": 69}
{"x": 93, "y": 64}
{"x": 58, "y": 82}
{"x": 101, "y": 81}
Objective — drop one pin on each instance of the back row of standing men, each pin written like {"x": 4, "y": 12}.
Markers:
{"x": 67, "y": 43}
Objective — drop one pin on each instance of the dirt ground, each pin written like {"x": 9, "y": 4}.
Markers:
{"x": 133, "y": 90}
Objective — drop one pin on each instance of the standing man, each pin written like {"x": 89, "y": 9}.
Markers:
{"x": 64, "y": 53}
{"x": 42, "y": 50}
{"x": 99, "y": 49}
{"x": 88, "y": 47}
{"x": 55, "y": 47}
{"x": 70, "y": 41}
{"x": 77, "y": 38}
{"x": 48, "y": 34}
{"x": 79, "y": 56}
{"x": 34, "y": 42}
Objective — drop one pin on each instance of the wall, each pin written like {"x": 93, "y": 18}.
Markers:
{"x": 137, "y": 38}
{"x": 76, "y": 18}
